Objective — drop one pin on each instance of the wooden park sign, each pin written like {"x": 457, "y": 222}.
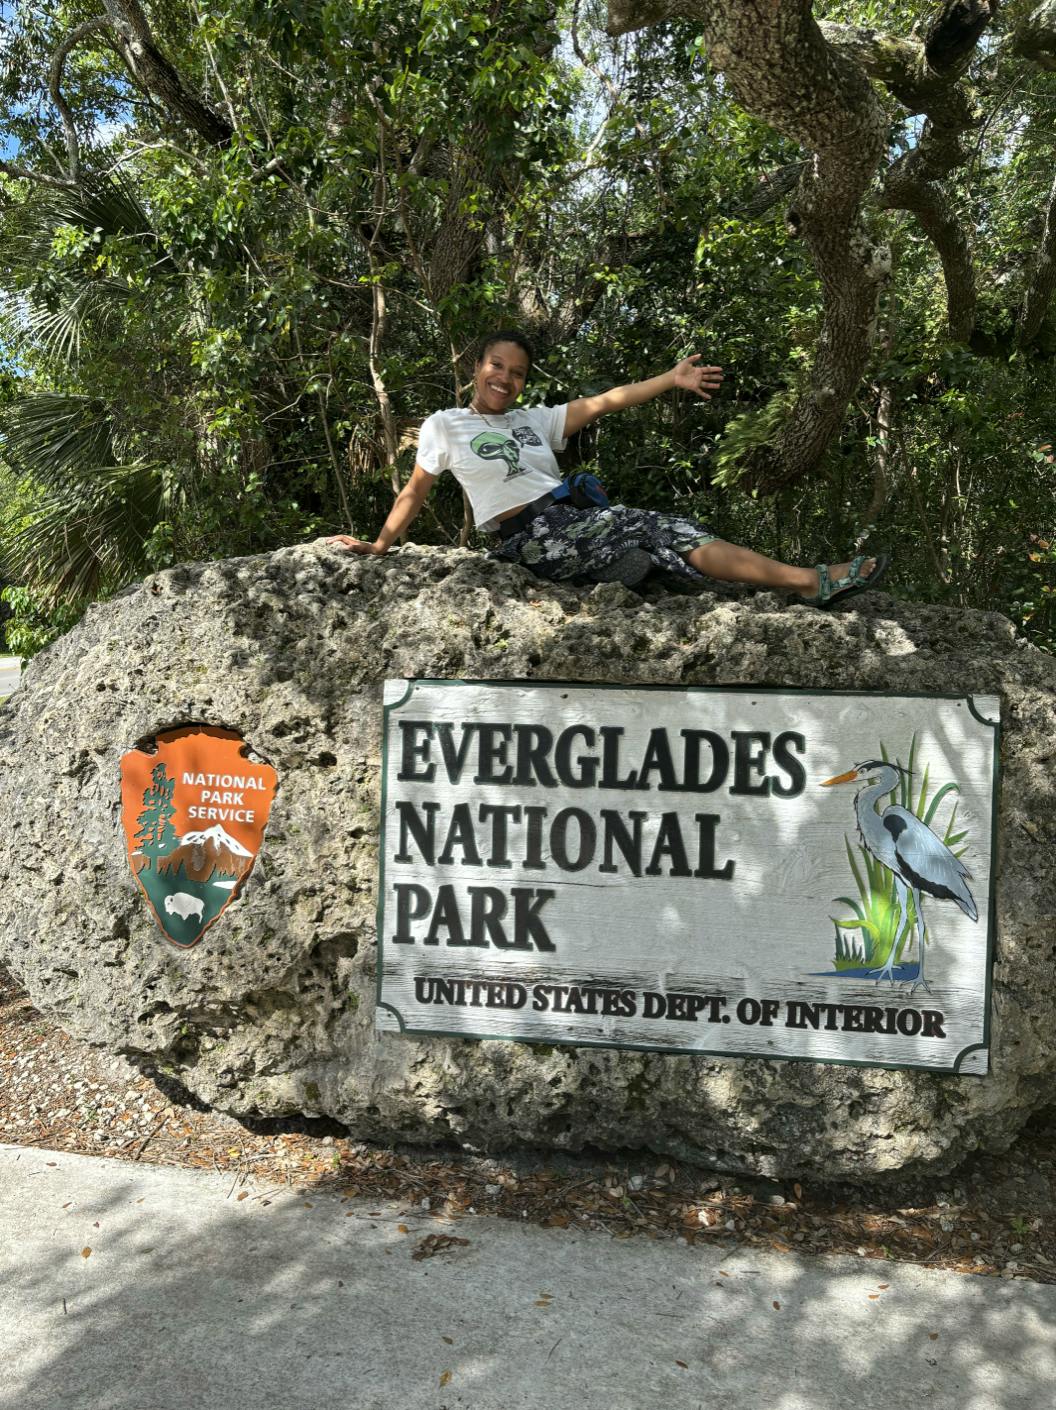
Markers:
{"x": 736, "y": 872}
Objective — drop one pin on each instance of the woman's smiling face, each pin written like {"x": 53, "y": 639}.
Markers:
{"x": 499, "y": 377}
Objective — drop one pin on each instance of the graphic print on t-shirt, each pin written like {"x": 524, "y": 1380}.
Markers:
{"x": 493, "y": 445}
{"x": 526, "y": 436}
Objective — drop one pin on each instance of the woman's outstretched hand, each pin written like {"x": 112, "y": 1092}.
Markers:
{"x": 356, "y": 545}
{"x": 705, "y": 381}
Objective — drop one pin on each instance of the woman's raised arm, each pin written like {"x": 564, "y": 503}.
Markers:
{"x": 402, "y": 515}
{"x": 685, "y": 374}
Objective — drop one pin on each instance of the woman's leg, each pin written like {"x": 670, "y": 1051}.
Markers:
{"x": 730, "y": 563}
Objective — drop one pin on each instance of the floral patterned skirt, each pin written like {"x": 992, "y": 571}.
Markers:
{"x": 562, "y": 542}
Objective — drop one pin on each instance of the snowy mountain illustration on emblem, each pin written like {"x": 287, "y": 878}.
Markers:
{"x": 190, "y": 873}
{"x": 211, "y": 855}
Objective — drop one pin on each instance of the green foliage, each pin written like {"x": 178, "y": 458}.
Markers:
{"x": 747, "y": 432}
{"x": 32, "y": 626}
{"x": 194, "y": 342}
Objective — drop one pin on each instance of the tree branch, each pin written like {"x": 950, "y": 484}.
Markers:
{"x": 156, "y": 75}
{"x": 73, "y": 145}
{"x": 1035, "y": 37}
{"x": 903, "y": 190}
{"x": 41, "y": 178}
{"x": 1042, "y": 283}
{"x": 783, "y": 71}
{"x": 73, "y": 148}
{"x": 899, "y": 64}
{"x": 924, "y": 75}
{"x": 950, "y": 39}
{"x": 918, "y": 72}
{"x": 773, "y": 186}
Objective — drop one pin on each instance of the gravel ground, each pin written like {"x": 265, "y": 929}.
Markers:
{"x": 996, "y": 1215}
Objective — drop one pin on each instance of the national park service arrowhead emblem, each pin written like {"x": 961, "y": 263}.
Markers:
{"x": 194, "y": 812}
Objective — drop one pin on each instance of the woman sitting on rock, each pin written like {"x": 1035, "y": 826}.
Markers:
{"x": 503, "y": 457}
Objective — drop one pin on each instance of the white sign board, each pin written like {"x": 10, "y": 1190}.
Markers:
{"x": 736, "y": 872}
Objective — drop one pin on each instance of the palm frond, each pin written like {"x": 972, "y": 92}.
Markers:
{"x": 89, "y": 536}
{"x": 109, "y": 205}
{"x": 56, "y": 326}
{"x": 59, "y": 295}
{"x": 57, "y": 439}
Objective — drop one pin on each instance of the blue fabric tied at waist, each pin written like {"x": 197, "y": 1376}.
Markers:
{"x": 581, "y": 490}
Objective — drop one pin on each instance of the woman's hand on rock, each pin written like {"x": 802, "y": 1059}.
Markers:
{"x": 705, "y": 381}
{"x": 356, "y": 545}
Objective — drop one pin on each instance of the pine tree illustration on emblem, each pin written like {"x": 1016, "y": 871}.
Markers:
{"x": 156, "y": 835}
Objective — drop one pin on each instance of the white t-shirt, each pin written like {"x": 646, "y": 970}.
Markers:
{"x": 500, "y": 461}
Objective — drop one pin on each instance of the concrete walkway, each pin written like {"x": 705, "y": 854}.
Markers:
{"x": 192, "y": 1297}
{"x": 10, "y": 672}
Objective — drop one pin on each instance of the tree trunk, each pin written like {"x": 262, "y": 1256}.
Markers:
{"x": 154, "y": 72}
{"x": 780, "y": 68}
{"x": 1042, "y": 283}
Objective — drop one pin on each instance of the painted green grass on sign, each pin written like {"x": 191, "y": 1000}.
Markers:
{"x": 868, "y": 937}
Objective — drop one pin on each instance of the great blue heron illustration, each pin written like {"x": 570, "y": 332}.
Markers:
{"x": 494, "y": 445}
{"x": 919, "y": 861}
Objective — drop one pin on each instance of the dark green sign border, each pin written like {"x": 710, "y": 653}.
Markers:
{"x": 550, "y": 1040}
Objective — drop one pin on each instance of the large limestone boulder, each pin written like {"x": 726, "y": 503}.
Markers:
{"x": 273, "y": 1011}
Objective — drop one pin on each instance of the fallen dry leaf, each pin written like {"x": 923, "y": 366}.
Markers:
{"x": 86, "y": 1253}
{"x": 683, "y": 1364}
{"x": 433, "y": 1244}
{"x": 777, "y": 1307}
{"x": 445, "y": 1377}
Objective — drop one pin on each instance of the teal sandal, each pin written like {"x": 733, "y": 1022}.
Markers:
{"x": 832, "y": 589}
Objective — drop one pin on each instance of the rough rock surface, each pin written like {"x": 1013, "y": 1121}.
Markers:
{"x": 272, "y": 1013}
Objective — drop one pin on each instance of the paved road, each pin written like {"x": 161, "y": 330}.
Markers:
{"x": 130, "y": 1287}
{"x": 10, "y": 669}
